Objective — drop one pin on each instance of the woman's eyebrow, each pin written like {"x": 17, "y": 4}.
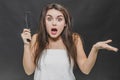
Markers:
{"x": 49, "y": 15}
{"x": 57, "y": 16}
{"x": 60, "y": 16}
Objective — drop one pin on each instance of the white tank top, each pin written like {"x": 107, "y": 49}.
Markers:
{"x": 54, "y": 65}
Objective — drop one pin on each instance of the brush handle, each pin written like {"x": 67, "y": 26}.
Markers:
{"x": 28, "y": 40}
{"x": 28, "y": 21}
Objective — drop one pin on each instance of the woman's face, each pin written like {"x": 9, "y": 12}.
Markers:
{"x": 55, "y": 23}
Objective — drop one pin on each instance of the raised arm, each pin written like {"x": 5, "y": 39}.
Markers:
{"x": 29, "y": 49}
{"x": 86, "y": 63}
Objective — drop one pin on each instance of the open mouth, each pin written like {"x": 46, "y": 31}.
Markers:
{"x": 54, "y": 31}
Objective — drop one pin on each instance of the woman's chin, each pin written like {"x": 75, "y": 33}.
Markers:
{"x": 54, "y": 37}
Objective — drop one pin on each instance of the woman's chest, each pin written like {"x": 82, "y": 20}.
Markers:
{"x": 55, "y": 59}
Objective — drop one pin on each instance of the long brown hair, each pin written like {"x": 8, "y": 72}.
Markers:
{"x": 67, "y": 34}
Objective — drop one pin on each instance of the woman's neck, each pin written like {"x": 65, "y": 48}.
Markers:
{"x": 54, "y": 39}
{"x": 56, "y": 43}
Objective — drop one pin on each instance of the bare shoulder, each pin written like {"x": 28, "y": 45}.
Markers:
{"x": 34, "y": 36}
{"x": 76, "y": 38}
{"x": 33, "y": 40}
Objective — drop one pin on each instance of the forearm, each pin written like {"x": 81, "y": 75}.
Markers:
{"x": 28, "y": 60}
{"x": 90, "y": 61}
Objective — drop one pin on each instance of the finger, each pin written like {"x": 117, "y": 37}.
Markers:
{"x": 27, "y": 33}
{"x": 27, "y": 37}
{"x": 26, "y": 30}
{"x": 108, "y": 41}
{"x": 108, "y": 47}
{"x": 24, "y": 35}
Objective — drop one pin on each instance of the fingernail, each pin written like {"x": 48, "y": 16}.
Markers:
{"x": 110, "y": 39}
{"x": 116, "y": 50}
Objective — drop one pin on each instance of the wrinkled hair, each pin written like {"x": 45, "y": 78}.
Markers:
{"x": 66, "y": 35}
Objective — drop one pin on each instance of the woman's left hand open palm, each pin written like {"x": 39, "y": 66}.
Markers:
{"x": 105, "y": 45}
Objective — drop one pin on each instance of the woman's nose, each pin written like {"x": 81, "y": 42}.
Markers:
{"x": 54, "y": 22}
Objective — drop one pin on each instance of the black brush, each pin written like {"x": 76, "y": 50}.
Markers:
{"x": 28, "y": 21}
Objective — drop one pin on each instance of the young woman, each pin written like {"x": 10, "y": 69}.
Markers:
{"x": 55, "y": 49}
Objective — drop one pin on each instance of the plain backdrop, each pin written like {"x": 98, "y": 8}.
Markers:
{"x": 94, "y": 20}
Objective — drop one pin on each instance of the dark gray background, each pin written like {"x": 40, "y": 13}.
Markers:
{"x": 94, "y": 20}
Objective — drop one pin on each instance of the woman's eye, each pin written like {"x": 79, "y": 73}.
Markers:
{"x": 49, "y": 19}
{"x": 59, "y": 19}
